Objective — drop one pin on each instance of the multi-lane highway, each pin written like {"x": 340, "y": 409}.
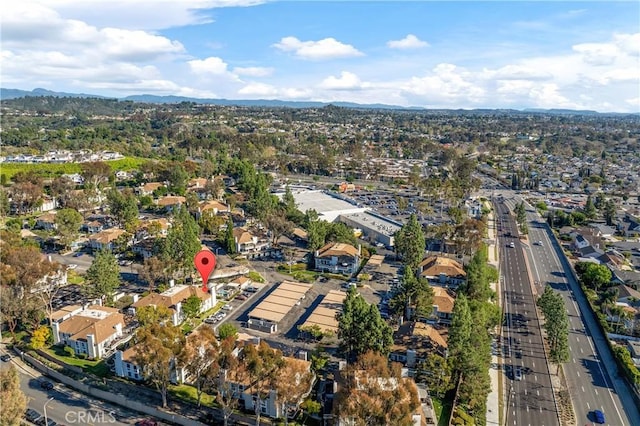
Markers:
{"x": 529, "y": 394}
{"x": 588, "y": 380}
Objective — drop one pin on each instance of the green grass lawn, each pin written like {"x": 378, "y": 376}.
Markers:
{"x": 442, "y": 409}
{"x": 52, "y": 170}
{"x": 74, "y": 278}
{"x": 187, "y": 327}
{"x": 98, "y": 368}
{"x": 189, "y": 393}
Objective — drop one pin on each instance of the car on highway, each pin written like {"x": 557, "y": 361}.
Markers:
{"x": 538, "y": 243}
{"x": 517, "y": 374}
{"x": 599, "y": 416}
{"x": 512, "y": 244}
{"x": 46, "y": 385}
{"x": 5, "y": 357}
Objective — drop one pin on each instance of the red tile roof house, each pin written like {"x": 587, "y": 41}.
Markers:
{"x": 88, "y": 331}
{"x": 338, "y": 258}
{"x": 248, "y": 243}
{"x": 442, "y": 271}
{"x": 174, "y": 297}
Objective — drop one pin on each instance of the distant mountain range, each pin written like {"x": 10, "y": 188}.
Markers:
{"x": 6, "y": 94}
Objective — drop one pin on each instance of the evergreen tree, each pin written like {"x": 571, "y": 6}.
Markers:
{"x": 103, "y": 276}
{"x": 229, "y": 240}
{"x": 182, "y": 242}
{"x": 590, "y": 208}
{"x": 410, "y": 243}
{"x": 361, "y": 329}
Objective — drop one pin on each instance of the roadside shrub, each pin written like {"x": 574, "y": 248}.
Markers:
{"x": 68, "y": 350}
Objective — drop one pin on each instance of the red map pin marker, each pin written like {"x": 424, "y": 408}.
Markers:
{"x": 204, "y": 261}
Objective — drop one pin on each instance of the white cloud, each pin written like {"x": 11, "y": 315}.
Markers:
{"x": 327, "y": 48}
{"x": 209, "y": 66}
{"x": 409, "y": 42}
{"x": 253, "y": 71}
{"x": 141, "y": 14}
{"x": 258, "y": 89}
{"x": 346, "y": 81}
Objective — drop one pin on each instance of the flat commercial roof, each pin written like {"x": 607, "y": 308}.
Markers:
{"x": 374, "y": 222}
{"x": 324, "y": 315}
{"x": 327, "y": 206}
{"x": 277, "y": 304}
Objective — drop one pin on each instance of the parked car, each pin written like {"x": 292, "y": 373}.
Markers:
{"x": 241, "y": 297}
{"x": 78, "y": 254}
{"x": 46, "y": 385}
{"x": 227, "y": 307}
{"x": 32, "y": 415}
{"x": 5, "y": 357}
{"x": 210, "y": 320}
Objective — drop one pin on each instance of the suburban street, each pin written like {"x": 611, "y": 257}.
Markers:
{"x": 529, "y": 395}
{"x": 67, "y": 406}
{"x": 588, "y": 378}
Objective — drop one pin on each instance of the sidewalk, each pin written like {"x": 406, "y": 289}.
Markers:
{"x": 494, "y": 396}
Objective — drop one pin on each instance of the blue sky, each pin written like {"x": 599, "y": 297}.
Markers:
{"x": 448, "y": 54}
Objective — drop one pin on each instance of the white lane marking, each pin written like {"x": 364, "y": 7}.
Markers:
{"x": 577, "y": 339}
{"x": 535, "y": 377}
{"x": 581, "y": 351}
{"x": 538, "y": 392}
{"x": 588, "y": 406}
{"x": 527, "y": 408}
{"x": 595, "y": 390}
{"x": 582, "y": 388}
{"x": 578, "y": 373}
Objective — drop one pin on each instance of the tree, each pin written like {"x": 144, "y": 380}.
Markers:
{"x": 22, "y": 268}
{"x": 589, "y": 208}
{"x": 293, "y": 385}
{"x": 233, "y": 371}
{"x": 103, "y": 276}
{"x": 316, "y": 234}
{"x": 14, "y": 401}
{"x": 124, "y": 207}
{"x": 61, "y": 188}
{"x": 278, "y": 225}
{"x": 375, "y": 394}
{"x": 68, "y": 223}
{"x": 182, "y": 242}
{"x": 149, "y": 315}
{"x": 191, "y": 307}
{"x": 156, "y": 352}
{"x": 153, "y": 271}
{"x": 40, "y": 337}
{"x": 230, "y": 240}
{"x": 556, "y": 325}
{"x": 227, "y": 330}
{"x": 460, "y": 332}
{"x": 410, "y": 243}
{"x": 610, "y": 212}
{"x": 592, "y": 275}
{"x": 264, "y": 365}
{"x": 436, "y": 372}
{"x": 200, "y": 358}
{"x": 414, "y": 293}
{"x": 361, "y": 329}
{"x": 95, "y": 174}
{"x": 26, "y": 196}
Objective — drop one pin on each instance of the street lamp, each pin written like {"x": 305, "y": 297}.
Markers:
{"x": 46, "y": 420}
